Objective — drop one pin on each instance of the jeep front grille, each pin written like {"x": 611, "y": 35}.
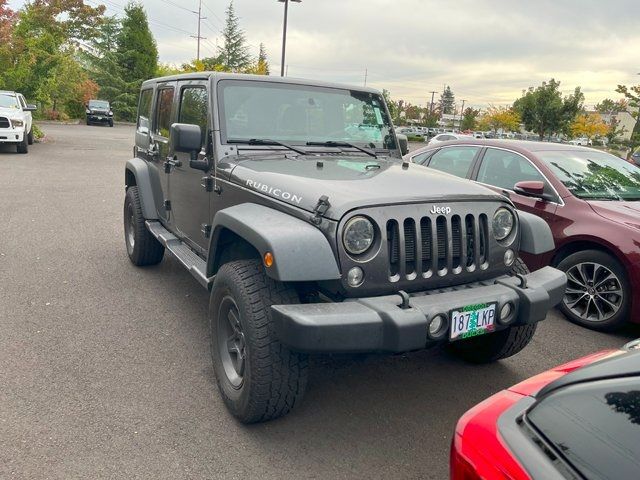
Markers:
{"x": 436, "y": 245}
{"x": 4, "y": 122}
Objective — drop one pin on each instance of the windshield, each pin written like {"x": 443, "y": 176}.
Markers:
{"x": 593, "y": 175}
{"x": 298, "y": 114}
{"x": 8, "y": 101}
{"x": 98, "y": 104}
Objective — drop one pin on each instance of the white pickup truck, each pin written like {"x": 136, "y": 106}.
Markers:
{"x": 16, "y": 123}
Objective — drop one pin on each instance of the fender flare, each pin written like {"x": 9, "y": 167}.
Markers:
{"x": 535, "y": 237}
{"x": 301, "y": 251}
{"x": 140, "y": 170}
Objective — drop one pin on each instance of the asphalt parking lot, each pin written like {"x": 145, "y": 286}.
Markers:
{"x": 105, "y": 369}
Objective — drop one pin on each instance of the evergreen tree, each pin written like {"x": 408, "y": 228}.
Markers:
{"x": 447, "y": 101}
{"x": 263, "y": 64}
{"x": 136, "y": 47}
{"x": 234, "y": 53}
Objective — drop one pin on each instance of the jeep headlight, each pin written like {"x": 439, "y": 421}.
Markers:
{"x": 17, "y": 122}
{"x": 503, "y": 223}
{"x": 358, "y": 235}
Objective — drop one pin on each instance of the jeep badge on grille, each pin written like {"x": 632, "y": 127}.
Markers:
{"x": 440, "y": 210}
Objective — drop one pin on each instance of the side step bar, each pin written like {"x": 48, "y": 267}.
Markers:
{"x": 187, "y": 257}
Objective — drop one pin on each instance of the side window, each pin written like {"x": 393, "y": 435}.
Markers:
{"x": 454, "y": 160}
{"x": 164, "y": 107}
{"x": 23, "y": 103}
{"x": 420, "y": 159}
{"x": 193, "y": 108}
{"x": 504, "y": 169}
{"x": 144, "y": 111}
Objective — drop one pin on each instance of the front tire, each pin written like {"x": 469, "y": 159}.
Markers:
{"x": 23, "y": 146}
{"x": 142, "y": 247}
{"x": 111, "y": 123}
{"x": 259, "y": 378}
{"x": 30, "y": 137}
{"x": 496, "y": 346}
{"x": 598, "y": 294}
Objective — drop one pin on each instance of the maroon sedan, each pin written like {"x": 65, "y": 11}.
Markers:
{"x": 591, "y": 201}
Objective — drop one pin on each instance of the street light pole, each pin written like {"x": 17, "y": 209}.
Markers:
{"x": 284, "y": 32}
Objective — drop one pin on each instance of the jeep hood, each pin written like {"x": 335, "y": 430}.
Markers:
{"x": 351, "y": 182}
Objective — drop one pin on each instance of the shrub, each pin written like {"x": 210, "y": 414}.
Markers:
{"x": 38, "y": 134}
{"x": 415, "y": 138}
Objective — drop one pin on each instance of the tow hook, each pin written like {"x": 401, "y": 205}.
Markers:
{"x": 405, "y": 305}
{"x": 523, "y": 280}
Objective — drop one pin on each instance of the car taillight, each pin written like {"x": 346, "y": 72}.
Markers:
{"x": 477, "y": 451}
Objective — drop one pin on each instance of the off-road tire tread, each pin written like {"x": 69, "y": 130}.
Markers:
{"x": 520, "y": 267}
{"x": 148, "y": 250}
{"x": 281, "y": 375}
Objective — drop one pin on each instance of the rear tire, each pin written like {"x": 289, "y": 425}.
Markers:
{"x": 604, "y": 310}
{"x": 142, "y": 247}
{"x": 496, "y": 346}
{"x": 259, "y": 378}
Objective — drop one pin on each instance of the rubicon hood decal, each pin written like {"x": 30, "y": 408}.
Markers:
{"x": 274, "y": 191}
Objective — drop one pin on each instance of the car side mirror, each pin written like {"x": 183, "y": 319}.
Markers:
{"x": 30, "y": 108}
{"x": 188, "y": 139}
{"x": 534, "y": 189}
{"x": 403, "y": 143}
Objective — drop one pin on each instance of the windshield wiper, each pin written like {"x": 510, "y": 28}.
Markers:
{"x": 264, "y": 141}
{"x": 331, "y": 143}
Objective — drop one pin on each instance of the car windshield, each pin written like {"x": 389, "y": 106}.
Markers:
{"x": 298, "y": 114}
{"x": 8, "y": 101}
{"x": 593, "y": 175}
{"x": 98, "y": 104}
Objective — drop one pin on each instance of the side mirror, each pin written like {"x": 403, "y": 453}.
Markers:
{"x": 186, "y": 138}
{"x": 533, "y": 189}
{"x": 30, "y": 108}
{"x": 403, "y": 143}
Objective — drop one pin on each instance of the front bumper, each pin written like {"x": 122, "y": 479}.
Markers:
{"x": 11, "y": 135}
{"x": 99, "y": 118}
{"x": 380, "y": 324}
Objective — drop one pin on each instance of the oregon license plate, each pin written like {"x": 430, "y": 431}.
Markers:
{"x": 472, "y": 320}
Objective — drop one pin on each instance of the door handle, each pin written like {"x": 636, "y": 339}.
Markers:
{"x": 174, "y": 162}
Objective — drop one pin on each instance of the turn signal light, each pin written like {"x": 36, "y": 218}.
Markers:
{"x": 268, "y": 259}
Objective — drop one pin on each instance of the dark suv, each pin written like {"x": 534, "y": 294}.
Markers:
{"x": 290, "y": 202}
{"x": 99, "y": 111}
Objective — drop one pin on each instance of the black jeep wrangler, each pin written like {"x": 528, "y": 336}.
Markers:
{"x": 290, "y": 202}
{"x": 99, "y": 111}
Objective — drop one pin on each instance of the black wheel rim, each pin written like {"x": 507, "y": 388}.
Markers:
{"x": 231, "y": 342}
{"x": 130, "y": 228}
{"x": 594, "y": 293}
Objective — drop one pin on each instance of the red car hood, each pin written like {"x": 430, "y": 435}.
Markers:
{"x": 623, "y": 212}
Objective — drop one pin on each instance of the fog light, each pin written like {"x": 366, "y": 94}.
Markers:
{"x": 509, "y": 257}
{"x": 355, "y": 277}
{"x": 437, "y": 326}
{"x": 506, "y": 312}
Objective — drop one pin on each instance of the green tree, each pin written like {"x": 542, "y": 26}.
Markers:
{"x": 469, "y": 119}
{"x": 544, "y": 111}
{"x": 447, "y": 101}
{"x": 609, "y": 106}
{"x": 632, "y": 94}
{"x": 136, "y": 47}
{"x": 500, "y": 118}
{"x": 234, "y": 53}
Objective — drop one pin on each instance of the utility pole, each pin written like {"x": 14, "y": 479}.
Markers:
{"x": 366, "y": 73}
{"x": 462, "y": 113}
{"x": 284, "y": 32}
{"x": 199, "y": 37}
{"x": 431, "y": 106}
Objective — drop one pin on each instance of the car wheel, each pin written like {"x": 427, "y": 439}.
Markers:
{"x": 259, "y": 378}
{"x": 598, "y": 294}
{"x": 23, "y": 146}
{"x": 142, "y": 247}
{"x": 30, "y": 137}
{"x": 111, "y": 123}
{"x": 496, "y": 346}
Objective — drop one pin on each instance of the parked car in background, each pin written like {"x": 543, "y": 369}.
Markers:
{"x": 635, "y": 157}
{"x": 589, "y": 198}
{"x": 581, "y": 141}
{"x": 580, "y": 420}
{"x": 99, "y": 111}
{"x": 445, "y": 137}
{"x": 16, "y": 122}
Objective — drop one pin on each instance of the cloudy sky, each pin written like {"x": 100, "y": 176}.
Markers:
{"x": 486, "y": 50}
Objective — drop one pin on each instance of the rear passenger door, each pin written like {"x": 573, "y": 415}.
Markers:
{"x": 158, "y": 153}
{"x": 456, "y": 160}
{"x": 189, "y": 198}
